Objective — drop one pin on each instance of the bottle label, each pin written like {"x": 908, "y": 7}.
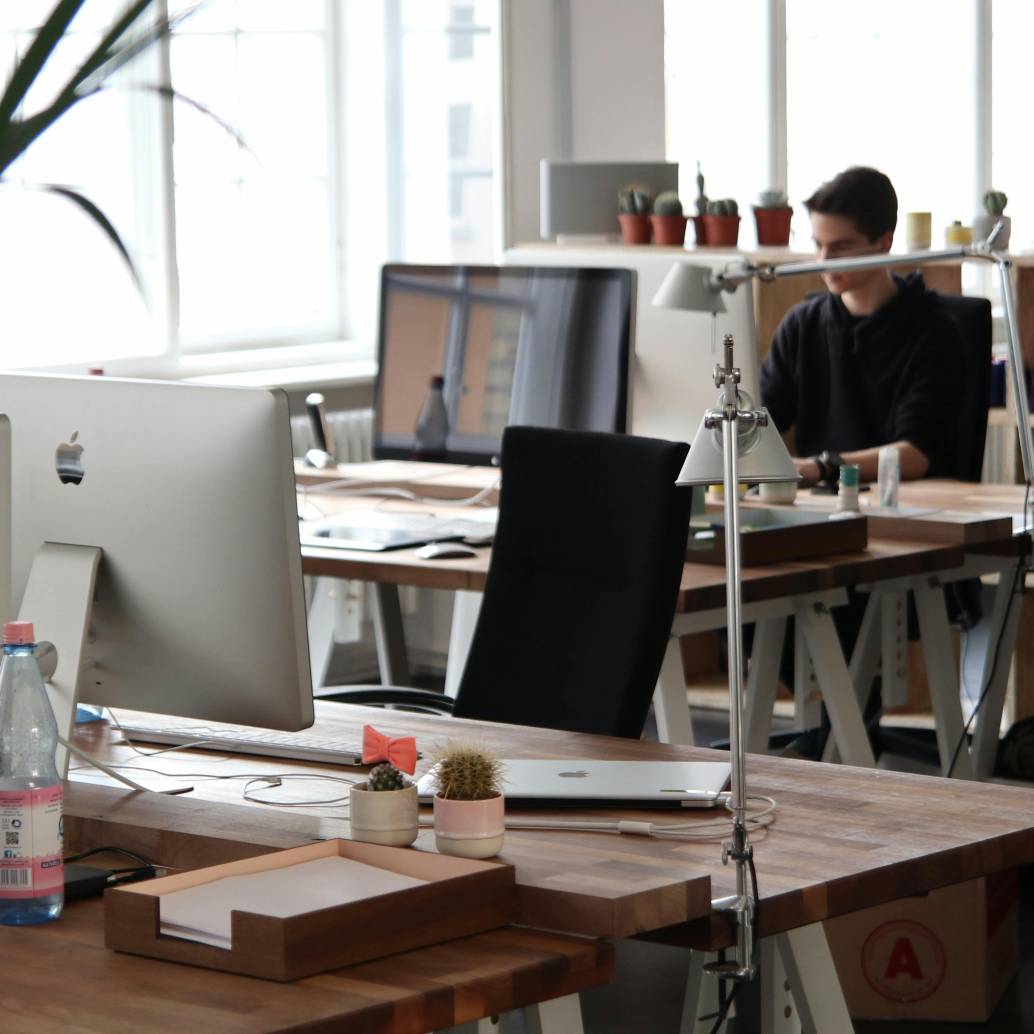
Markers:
{"x": 31, "y": 841}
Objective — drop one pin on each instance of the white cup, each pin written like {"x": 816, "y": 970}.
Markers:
{"x": 777, "y": 491}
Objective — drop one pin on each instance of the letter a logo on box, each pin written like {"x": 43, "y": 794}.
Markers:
{"x": 903, "y": 961}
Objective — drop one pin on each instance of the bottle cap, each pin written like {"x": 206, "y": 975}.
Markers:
{"x": 849, "y": 475}
{"x": 437, "y": 381}
{"x": 19, "y": 633}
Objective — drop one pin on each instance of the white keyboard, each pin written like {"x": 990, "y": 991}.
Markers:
{"x": 243, "y": 739}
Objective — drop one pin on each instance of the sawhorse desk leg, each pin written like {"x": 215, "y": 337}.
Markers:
{"x": 557, "y": 1016}
{"x": 799, "y": 989}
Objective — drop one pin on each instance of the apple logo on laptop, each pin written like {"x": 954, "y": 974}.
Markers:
{"x": 580, "y": 774}
{"x": 69, "y": 461}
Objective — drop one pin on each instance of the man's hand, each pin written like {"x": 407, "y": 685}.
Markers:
{"x": 808, "y": 469}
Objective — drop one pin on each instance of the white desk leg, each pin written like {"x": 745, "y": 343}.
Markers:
{"x": 389, "y": 636}
{"x": 466, "y": 606}
{"x": 670, "y": 706}
{"x": 807, "y": 698}
{"x": 812, "y": 976}
{"x": 701, "y": 997}
{"x": 762, "y": 682}
{"x": 845, "y": 716}
{"x": 942, "y": 674}
{"x": 894, "y": 652}
{"x": 994, "y": 676}
{"x": 557, "y": 1016}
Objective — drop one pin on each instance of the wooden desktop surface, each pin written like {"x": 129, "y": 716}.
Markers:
{"x": 60, "y": 978}
{"x": 844, "y": 839}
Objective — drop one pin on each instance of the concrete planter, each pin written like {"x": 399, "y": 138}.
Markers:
{"x": 383, "y": 816}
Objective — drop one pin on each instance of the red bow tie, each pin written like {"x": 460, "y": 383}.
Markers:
{"x": 399, "y": 751}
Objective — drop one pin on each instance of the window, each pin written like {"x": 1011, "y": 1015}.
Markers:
{"x": 370, "y": 132}
{"x": 885, "y": 83}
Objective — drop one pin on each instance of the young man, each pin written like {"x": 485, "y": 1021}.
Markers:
{"x": 872, "y": 363}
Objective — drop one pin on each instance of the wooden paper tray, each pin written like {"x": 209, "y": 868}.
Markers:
{"x": 771, "y": 535}
{"x": 461, "y": 897}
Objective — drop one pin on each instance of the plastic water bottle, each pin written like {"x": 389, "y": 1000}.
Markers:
{"x": 32, "y": 886}
{"x": 888, "y": 476}
{"x": 432, "y": 425}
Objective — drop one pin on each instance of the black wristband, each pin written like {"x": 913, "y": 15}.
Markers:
{"x": 831, "y": 464}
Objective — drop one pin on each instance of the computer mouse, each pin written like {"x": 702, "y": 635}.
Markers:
{"x": 445, "y": 551}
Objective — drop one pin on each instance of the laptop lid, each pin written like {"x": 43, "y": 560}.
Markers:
{"x": 587, "y": 784}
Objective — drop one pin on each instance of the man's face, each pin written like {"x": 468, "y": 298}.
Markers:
{"x": 836, "y": 236}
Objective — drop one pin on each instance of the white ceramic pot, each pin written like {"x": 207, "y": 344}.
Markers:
{"x": 984, "y": 224}
{"x": 469, "y": 829}
{"x": 383, "y": 816}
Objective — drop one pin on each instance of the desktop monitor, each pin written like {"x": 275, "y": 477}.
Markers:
{"x": 188, "y": 490}
{"x": 547, "y": 347}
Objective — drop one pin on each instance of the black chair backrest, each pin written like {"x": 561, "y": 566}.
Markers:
{"x": 973, "y": 316}
{"x": 584, "y": 577}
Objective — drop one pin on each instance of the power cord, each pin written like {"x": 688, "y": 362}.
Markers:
{"x": 1016, "y": 582}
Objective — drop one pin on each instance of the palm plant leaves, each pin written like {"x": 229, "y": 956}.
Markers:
{"x": 117, "y": 47}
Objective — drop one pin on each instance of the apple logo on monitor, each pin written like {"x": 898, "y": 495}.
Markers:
{"x": 69, "y": 460}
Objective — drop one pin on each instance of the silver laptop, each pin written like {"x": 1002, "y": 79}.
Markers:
{"x": 599, "y": 784}
{"x": 374, "y": 531}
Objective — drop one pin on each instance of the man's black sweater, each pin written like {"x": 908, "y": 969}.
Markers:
{"x": 847, "y": 383}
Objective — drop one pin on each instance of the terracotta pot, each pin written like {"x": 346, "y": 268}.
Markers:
{"x": 773, "y": 225}
{"x": 722, "y": 230}
{"x": 383, "y": 816}
{"x": 699, "y": 229}
{"x": 635, "y": 229}
{"x": 469, "y": 829}
{"x": 669, "y": 229}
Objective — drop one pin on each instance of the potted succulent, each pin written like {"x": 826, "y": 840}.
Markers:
{"x": 383, "y": 809}
{"x": 699, "y": 228}
{"x": 994, "y": 207}
{"x": 722, "y": 223}
{"x": 772, "y": 217}
{"x": 468, "y": 802}
{"x": 669, "y": 224}
{"x": 634, "y": 213}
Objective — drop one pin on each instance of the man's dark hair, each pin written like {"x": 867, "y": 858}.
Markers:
{"x": 864, "y": 195}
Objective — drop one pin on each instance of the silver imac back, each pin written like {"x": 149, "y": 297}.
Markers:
{"x": 189, "y": 492}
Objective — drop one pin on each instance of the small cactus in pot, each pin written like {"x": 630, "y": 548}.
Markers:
{"x": 722, "y": 223}
{"x": 669, "y": 224}
{"x": 994, "y": 213}
{"x": 634, "y": 203}
{"x": 772, "y": 217}
{"x": 383, "y": 808}
{"x": 468, "y": 804}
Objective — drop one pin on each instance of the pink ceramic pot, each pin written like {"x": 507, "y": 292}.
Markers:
{"x": 469, "y": 829}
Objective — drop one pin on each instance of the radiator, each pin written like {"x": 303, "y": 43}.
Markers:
{"x": 353, "y": 434}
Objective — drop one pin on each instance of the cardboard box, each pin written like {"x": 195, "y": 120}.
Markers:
{"x": 948, "y": 956}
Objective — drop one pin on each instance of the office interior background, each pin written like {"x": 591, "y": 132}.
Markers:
{"x": 411, "y": 130}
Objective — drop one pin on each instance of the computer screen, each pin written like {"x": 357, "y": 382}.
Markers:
{"x": 466, "y": 350}
{"x": 188, "y": 490}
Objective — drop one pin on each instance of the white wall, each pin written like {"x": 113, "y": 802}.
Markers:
{"x": 583, "y": 80}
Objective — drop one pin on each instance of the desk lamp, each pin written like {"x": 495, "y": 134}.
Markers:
{"x": 734, "y": 442}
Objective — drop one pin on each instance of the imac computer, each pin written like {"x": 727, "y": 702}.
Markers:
{"x": 545, "y": 346}
{"x": 154, "y": 540}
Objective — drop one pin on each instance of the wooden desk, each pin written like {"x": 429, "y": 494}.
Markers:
{"x": 844, "y": 839}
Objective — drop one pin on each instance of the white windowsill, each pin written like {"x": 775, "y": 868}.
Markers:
{"x": 317, "y": 375}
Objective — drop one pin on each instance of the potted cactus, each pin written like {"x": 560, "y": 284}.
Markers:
{"x": 722, "y": 223}
{"x": 699, "y": 228}
{"x": 772, "y": 217}
{"x": 669, "y": 224}
{"x": 383, "y": 809}
{"x": 994, "y": 209}
{"x": 468, "y": 802}
{"x": 634, "y": 202}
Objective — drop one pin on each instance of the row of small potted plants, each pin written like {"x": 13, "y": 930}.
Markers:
{"x": 716, "y": 224}
{"x": 468, "y": 804}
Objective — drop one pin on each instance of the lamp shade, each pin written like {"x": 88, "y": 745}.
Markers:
{"x": 762, "y": 457}
{"x": 689, "y": 287}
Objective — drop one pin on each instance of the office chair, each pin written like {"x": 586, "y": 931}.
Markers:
{"x": 973, "y": 317}
{"x": 581, "y": 590}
